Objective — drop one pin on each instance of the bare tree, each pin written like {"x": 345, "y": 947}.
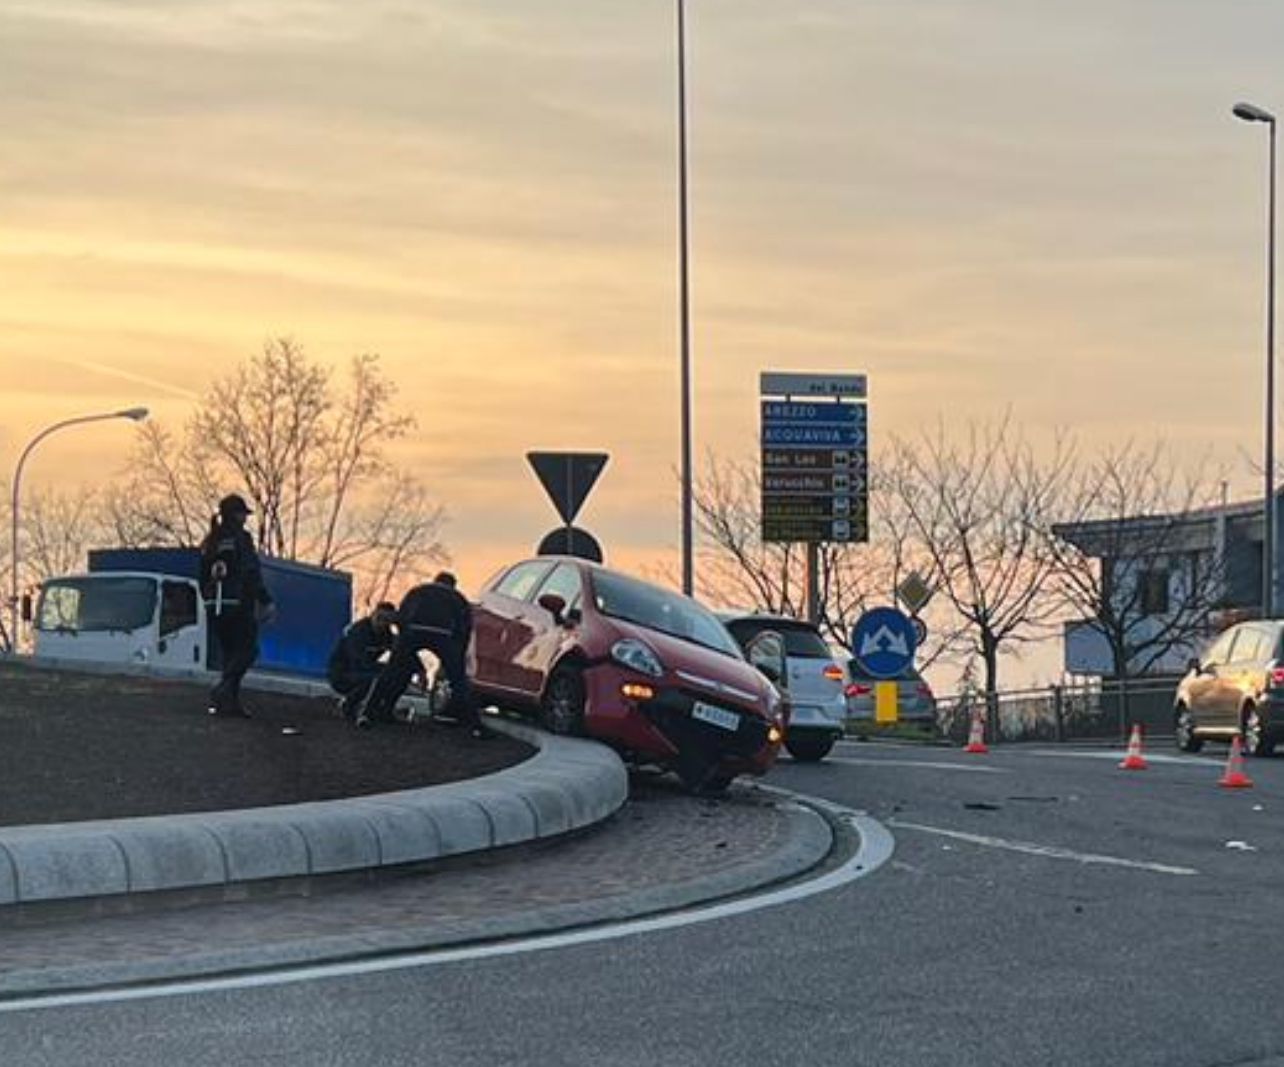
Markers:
{"x": 57, "y": 529}
{"x": 1131, "y": 555}
{"x": 311, "y": 458}
{"x": 393, "y": 541}
{"x": 267, "y": 422}
{"x": 168, "y": 492}
{"x": 738, "y": 569}
{"x": 977, "y": 506}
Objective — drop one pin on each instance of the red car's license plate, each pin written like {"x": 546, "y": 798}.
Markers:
{"x": 720, "y": 717}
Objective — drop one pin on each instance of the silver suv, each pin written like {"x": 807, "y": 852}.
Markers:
{"x": 816, "y": 681}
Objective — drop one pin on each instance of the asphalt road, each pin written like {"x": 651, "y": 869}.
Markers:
{"x": 1042, "y": 907}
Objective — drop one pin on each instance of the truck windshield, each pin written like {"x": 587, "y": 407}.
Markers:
{"x": 97, "y": 604}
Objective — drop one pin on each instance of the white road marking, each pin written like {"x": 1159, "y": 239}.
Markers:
{"x": 1047, "y": 851}
{"x": 935, "y": 765}
{"x": 1117, "y": 756}
{"x": 876, "y": 848}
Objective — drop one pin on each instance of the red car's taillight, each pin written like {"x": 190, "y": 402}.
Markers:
{"x": 858, "y": 690}
{"x": 833, "y": 672}
{"x": 1277, "y": 677}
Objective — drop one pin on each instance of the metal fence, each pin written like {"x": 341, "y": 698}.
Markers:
{"x": 1104, "y": 710}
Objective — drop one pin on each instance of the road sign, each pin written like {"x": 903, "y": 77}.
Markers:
{"x": 813, "y": 436}
{"x": 920, "y": 631}
{"x": 813, "y": 412}
{"x": 774, "y": 482}
{"x": 806, "y": 459}
{"x": 813, "y": 458}
{"x": 810, "y": 507}
{"x": 914, "y": 592}
{"x": 774, "y": 383}
{"x": 883, "y": 642}
{"x": 567, "y": 477}
{"x": 570, "y": 541}
{"x": 838, "y": 530}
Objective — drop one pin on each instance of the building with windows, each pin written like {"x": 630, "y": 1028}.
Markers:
{"x": 1168, "y": 583}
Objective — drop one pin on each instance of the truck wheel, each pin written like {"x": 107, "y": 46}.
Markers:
{"x": 809, "y": 748}
{"x": 562, "y": 709}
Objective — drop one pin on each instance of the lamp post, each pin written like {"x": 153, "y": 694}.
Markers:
{"x": 684, "y": 307}
{"x": 1252, "y": 113}
{"x": 133, "y": 414}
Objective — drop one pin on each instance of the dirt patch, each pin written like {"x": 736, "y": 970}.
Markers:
{"x": 81, "y": 746}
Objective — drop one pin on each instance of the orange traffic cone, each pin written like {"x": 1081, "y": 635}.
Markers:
{"x": 1235, "y": 778}
{"x": 1134, "y": 760}
{"x": 976, "y": 736}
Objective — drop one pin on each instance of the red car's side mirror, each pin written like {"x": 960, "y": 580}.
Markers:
{"x": 553, "y": 604}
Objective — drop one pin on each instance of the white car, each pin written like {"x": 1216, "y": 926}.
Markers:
{"x": 816, "y": 682}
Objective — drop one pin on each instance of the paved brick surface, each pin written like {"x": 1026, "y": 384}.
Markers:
{"x": 660, "y": 838}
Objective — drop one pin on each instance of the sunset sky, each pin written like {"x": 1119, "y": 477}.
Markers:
{"x": 981, "y": 204}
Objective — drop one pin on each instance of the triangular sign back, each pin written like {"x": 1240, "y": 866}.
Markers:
{"x": 568, "y": 477}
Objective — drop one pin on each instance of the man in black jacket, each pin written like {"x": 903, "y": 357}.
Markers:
{"x": 354, "y": 663}
{"x": 235, "y": 598}
{"x": 433, "y": 617}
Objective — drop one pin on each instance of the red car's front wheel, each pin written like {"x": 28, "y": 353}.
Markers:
{"x": 562, "y": 709}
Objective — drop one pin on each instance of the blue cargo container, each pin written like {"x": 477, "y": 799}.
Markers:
{"x": 313, "y": 605}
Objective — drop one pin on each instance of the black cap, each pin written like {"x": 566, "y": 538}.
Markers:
{"x": 234, "y": 504}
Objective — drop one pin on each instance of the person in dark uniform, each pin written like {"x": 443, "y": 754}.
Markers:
{"x": 433, "y": 617}
{"x": 354, "y": 663}
{"x": 235, "y": 598}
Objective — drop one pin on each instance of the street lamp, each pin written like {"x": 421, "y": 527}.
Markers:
{"x": 133, "y": 414}
{"x": 1252, "y": 113}
{"x": 684, "y": 307}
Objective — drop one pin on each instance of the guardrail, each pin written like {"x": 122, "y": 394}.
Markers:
{"x": 1097, "y": 711}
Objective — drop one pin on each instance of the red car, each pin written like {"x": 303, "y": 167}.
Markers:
{"x": 648, "y": 671}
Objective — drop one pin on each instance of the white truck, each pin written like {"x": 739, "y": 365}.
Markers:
{"x": 144, "y": 607}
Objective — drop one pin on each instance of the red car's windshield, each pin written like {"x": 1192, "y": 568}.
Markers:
{"x": 637, "y": 602}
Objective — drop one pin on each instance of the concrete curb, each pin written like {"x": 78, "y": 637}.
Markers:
{"x": 809, "y": 842}
{"x": 567, "y": 785}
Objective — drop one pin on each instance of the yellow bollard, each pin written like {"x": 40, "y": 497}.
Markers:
{"x": 886, "y": 702}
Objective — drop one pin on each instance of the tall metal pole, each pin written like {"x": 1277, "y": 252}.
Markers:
{"x": 684, "y": 309}
{"x": 136, "y": 414}
{"x": 1252, "y": 113}
{"x": 1269, "y": 553}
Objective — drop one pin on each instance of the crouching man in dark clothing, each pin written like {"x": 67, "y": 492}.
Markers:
{"x": 354, "y": 663}
{"x": 434, "y": 617}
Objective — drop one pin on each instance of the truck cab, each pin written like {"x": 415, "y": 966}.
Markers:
{"x": 122, "y": 617}
{"x": 143, "y": 606}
